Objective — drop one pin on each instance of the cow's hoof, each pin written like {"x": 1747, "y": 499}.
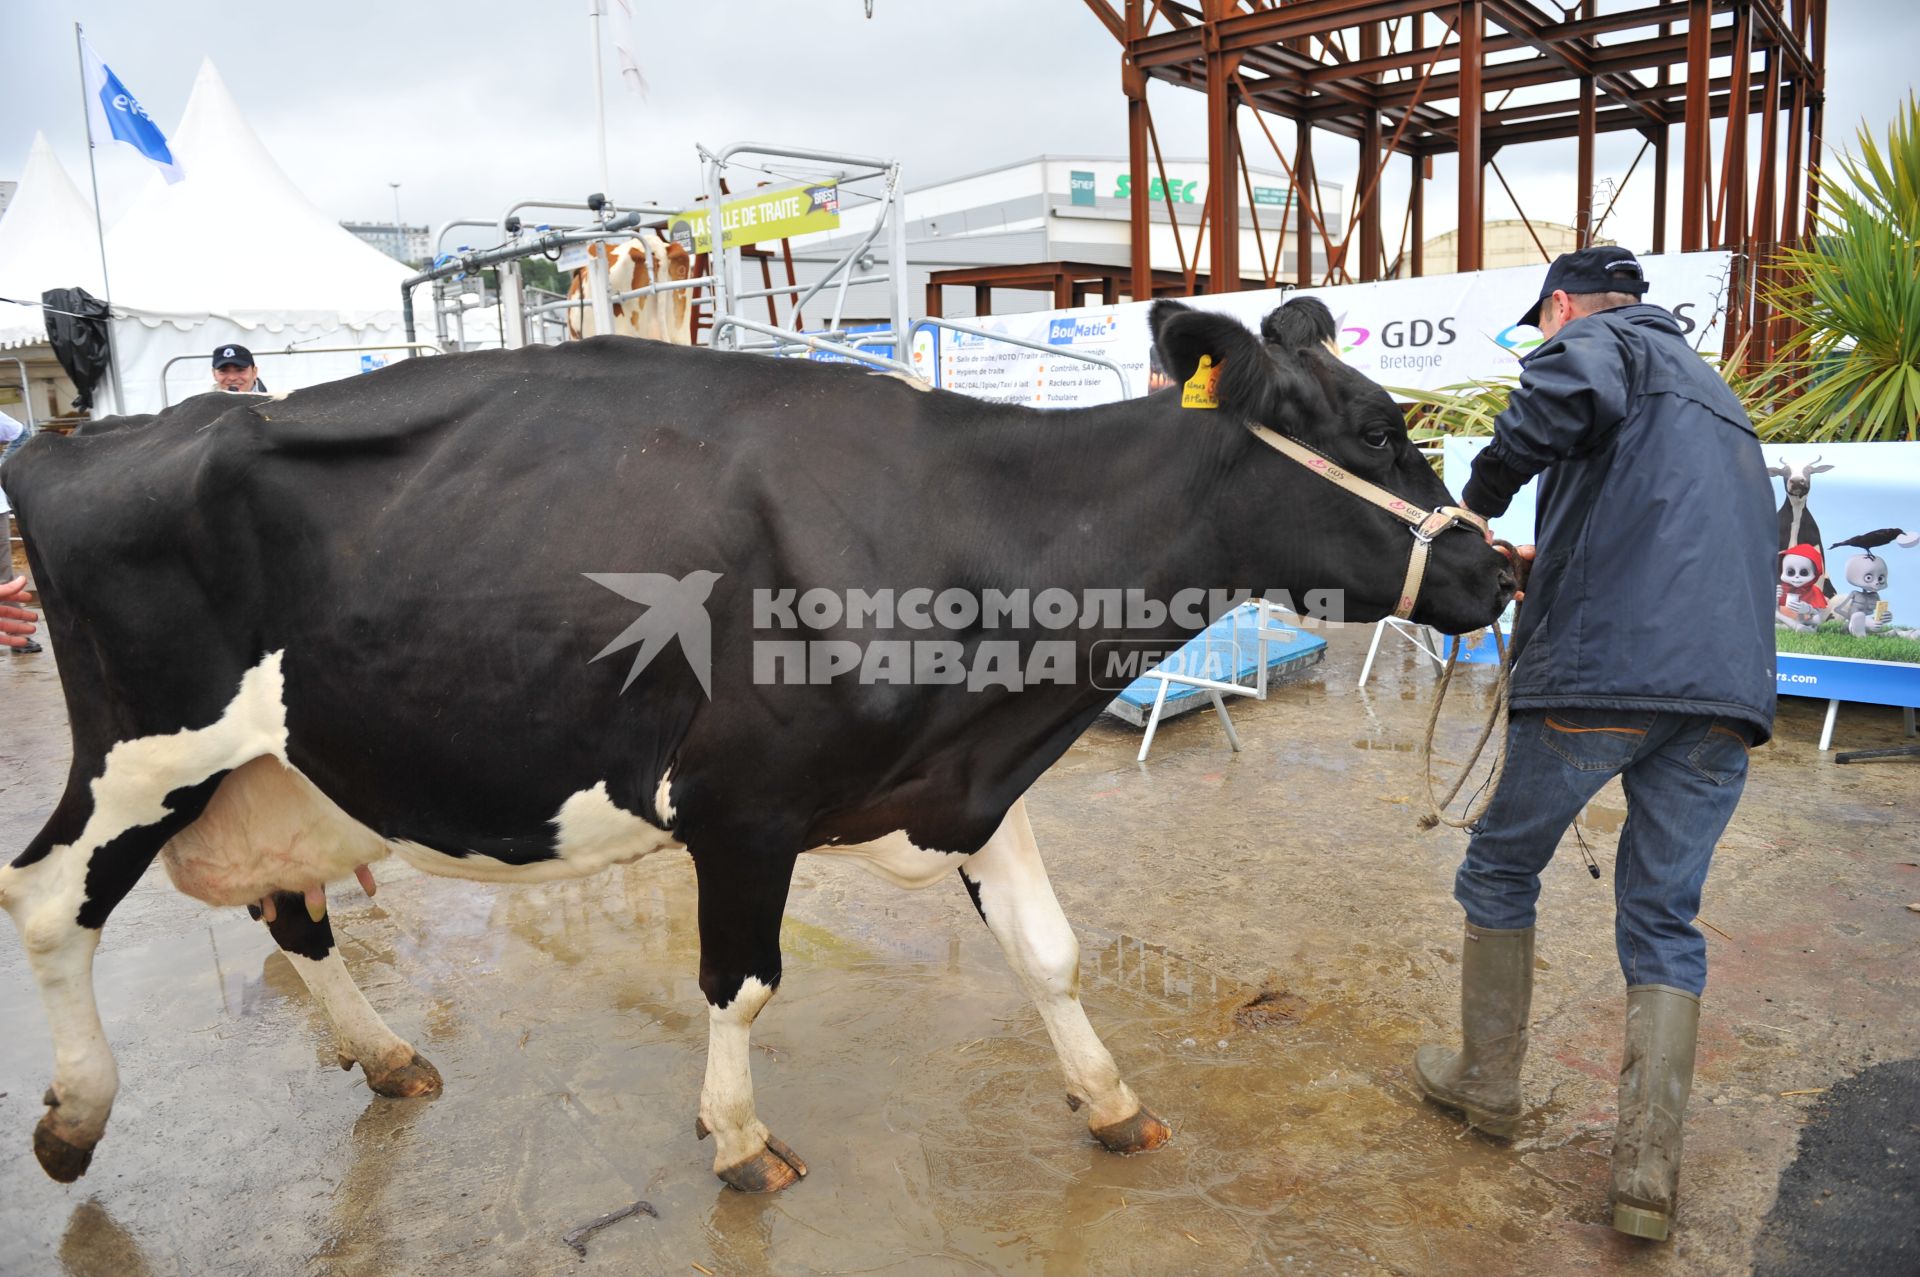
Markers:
{"x": 771, "y": 1169}
{"x": 60, "y": 1160}
{"x": 416, "y": 1079}
{"x": 1141, "y": 1133}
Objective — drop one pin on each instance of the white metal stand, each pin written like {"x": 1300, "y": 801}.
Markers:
{"x": 1423, "y": 637}
{"x": 1264, "y": 634}
{"x": 1826, "y": 732}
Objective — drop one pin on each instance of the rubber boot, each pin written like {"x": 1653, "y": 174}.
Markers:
{"x": 1481, "y": 1081}
{"x": 1656, "y": 1075}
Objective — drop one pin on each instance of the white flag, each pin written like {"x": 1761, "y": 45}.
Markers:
{"x": 112, "y": 112}
{"x": 623, "y": 46}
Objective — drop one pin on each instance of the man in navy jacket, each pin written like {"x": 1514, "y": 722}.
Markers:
{"x": 1644, "y": 650}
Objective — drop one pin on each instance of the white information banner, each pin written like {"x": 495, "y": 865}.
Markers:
{"x": 1421, "y": 334}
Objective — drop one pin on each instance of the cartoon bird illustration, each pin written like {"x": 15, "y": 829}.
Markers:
{"x": 676, "y": 608}
{"x": 1871, "y": 541}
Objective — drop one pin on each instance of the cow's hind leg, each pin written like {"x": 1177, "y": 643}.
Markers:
{"x": 392, "y": 1066}
{"x": 59, "y": 893}
{"x": 741, "y": 902}
{"x": 1010, "y": 889}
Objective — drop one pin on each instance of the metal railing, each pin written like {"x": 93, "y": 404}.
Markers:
{"x": 26, "y": 394}
{"x": 890, "y": 217}
{"x": 784, "y": 338}
{"x": 424, "y": 347}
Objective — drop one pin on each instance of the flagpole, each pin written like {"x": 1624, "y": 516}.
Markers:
{"x": 99, "y": 230}
{"x": 599, "y": 96}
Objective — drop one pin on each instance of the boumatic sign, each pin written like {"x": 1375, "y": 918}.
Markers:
{"x": 754, "y": 219}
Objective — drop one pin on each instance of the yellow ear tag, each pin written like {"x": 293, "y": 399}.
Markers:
{"x": 1201, "y": 388}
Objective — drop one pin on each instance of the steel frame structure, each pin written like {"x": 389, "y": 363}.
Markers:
{"x": 1412, "y": 78}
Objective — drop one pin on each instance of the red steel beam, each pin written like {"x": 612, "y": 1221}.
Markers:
{"x": 1372, "y": 163}
{"x": 1694, "y": 176}
{"x": 1139, "y": 215}
{"x": 1472, "y": 180}
{"x": 1816, "y": 111}
{"x": 1223, "y": 145}
{"x": 1583, "y": 160}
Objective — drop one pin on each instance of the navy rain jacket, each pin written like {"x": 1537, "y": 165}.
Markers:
{"x": 1654, "y": 583}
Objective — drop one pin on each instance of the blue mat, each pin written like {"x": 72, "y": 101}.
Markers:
{"x": 1227, "y": 651}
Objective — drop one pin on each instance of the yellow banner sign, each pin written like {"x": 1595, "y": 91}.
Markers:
{"x": 752, "y": 219}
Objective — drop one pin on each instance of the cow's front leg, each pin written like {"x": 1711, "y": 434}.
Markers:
{"x": 1010, "y": 888}
{"x": 393, "y": 1067}
{"x": 59, "y": 893}
{"x": 741, "y": 903}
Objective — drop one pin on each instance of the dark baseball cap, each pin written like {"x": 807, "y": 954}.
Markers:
{"x": 1603, "y": 269}
{"x": 232, "y": 357}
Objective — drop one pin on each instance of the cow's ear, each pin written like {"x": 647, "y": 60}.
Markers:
{"x": 1299, "y": 324}
{"x": 1183, "y": 335}
{"x": 1249, "y": 379}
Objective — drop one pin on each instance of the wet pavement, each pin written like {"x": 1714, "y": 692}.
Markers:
{"x": 902, "y": 1062}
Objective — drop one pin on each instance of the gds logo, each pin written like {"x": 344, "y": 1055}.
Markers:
{"x": 1400, "y": 333}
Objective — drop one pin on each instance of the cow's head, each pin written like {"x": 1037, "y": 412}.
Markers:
{"x": 1799, "y": 478}
{"x": 1309, "y": 533}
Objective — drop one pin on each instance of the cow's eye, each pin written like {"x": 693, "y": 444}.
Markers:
{"x": 1378, "y": 437}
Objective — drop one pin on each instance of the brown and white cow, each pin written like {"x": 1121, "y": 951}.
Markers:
{"x": 644, "y": 260}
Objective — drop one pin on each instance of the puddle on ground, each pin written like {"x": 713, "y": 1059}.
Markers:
{"x": 1598, "y": 819}
{"x": 899, "y": 1059}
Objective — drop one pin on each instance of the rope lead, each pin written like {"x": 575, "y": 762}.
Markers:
{"x": 1436, "y": 813}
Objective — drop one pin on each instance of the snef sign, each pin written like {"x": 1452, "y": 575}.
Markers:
{"x": 1080, "y": 187}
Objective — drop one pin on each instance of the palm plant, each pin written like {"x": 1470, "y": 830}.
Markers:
{"x": 1853, "y": 293}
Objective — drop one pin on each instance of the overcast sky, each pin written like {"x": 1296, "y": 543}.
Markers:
{"x": 473, "y": 105}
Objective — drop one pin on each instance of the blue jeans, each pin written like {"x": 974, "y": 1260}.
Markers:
{"x": 1682, "y": 773}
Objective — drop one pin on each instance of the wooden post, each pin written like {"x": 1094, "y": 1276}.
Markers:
{"x": 1134, "y": 83}
{"x": 1372, "y": 240}
{"x": 1695, "y": 183}
{"x": 1302, "y": 202}
{"x": 1223, "y": 147}
{"x": 1816, "y": 110}
{"x": 1417, "y": 214}
{"x": 1472, "y": 179}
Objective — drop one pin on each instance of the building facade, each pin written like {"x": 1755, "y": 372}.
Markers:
{"x": 1060, "y": 208}
{"x": 402, "y": 243}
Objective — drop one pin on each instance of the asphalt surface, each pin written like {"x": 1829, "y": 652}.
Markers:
{"x": 1850, "y": 1202}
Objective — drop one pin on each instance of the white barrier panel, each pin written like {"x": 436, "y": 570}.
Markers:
{"x": 1423, "y": 334}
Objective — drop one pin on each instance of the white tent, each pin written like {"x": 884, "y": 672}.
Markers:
{"x": 47, "y": 240}
{"x": 235, "y": 253}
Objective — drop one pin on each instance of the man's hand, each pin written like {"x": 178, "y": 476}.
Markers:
{"x": 1522, "y": 560}
{"x": 1521, "y": 556}
{"x": 16, "y": 623}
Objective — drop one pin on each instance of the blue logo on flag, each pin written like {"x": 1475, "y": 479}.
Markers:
{"x": 116, "y": 113}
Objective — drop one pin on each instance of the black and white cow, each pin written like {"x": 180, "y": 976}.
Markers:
{"x": 289, "y": 649}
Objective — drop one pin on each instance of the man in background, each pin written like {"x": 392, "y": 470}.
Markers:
{"x": 234, "y": 370}
{"x": 16, "y": 630}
